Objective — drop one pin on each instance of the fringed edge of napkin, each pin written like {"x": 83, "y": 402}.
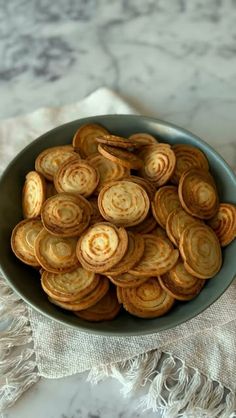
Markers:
{"x": 18, "y": 368}
{"x": 172, "y": 388}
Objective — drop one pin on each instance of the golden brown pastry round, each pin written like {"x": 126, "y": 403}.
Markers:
{"x": 123, "y": 203}
{"x": 147, "y": 185}
{"x": 108, "y": 170}
{"x": 188, "y": 156}
{"x": 143, "y": 139}
{"x": 102, "y": 246}
{"x": 66, "y": 214}
{"x": 148, "y": 300}
{"x": 23, "y": 240}
{"x": 127, "y": 280}
{"x": 146, "y": 226}
{"x": 49, "y": 160}
{"x": 132, "y": 256}
{"x": 158, "y": 163}
{"x": 96, "y": 215}
{"x": 125, "y": 158}
{"x": 198, "y": 194}
{"x": 77, "y": 176}
{"x": 105, "y": 309}
{"x": 224, "y": 223}
{"x": 55, "y": 254}
{"x": 200, "y": 250}
{"x": 158, "y": 258}
{"x": 115, "y": 141}
{"x": 87, "y": 301}
{"x": 180, "y": 284}
{"x": 85, "y": 138}
{"x": 166, "y": 199}
{"x": 33, "y": 194}
{"x": 176, "y": 223}
{"x": 70, "y": 286}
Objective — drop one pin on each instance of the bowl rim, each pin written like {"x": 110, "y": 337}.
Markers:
{"x": 90, "y": 327}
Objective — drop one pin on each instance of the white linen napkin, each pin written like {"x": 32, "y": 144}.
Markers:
{"x": 188, "y": 371}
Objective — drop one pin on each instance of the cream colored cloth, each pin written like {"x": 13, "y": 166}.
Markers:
{"x": 206, "y": 344}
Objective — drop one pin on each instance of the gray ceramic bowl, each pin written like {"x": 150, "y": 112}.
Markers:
{"x": 25, "y": 280}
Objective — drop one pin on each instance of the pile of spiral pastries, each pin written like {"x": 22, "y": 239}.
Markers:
{"x": 112, "y": 222}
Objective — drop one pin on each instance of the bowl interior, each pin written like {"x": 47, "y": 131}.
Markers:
{"x": 25, "y": 280}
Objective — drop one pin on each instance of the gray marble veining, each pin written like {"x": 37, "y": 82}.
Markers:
{"x": 173, "y": 59}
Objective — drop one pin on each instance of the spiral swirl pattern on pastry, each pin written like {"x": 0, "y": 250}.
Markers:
{"x": 132, "y": 256}
{"x": 49, "y": 160}
{"x": 102, "y": 246}
{"x": 108, "y": 170}
{"x": 67, "y": 287}
{"x": 224, "y": 223}
{"x": 158, "y": 163}
{"x": 188, "y": 157}
{"x": 23, "y": 240}
{"x": 176, "y": 223}
{"x": 158, "y": 258}
{"x": 88, "y": 300}
{"x": 33, "y": 194}
{"x": 166, "y": 199}
{"x": 55, "y": 254}
{"x": 105, "y": 309}
{"x": 66, "y": 214}
{"x": 180, "y": 284}
{"x": 146, "y": 184}
{"x": 125, "y": 158}
{"x": 198, "y": 194}
{"x": 148, "y": 300}
{"x": 85, "y": 138}
{"x": 77, "y": 176}
{"x": 123, "y": 203}
{"x": 200, "y": 250}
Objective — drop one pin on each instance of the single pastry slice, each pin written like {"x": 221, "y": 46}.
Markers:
{"x": 66, "y": 214}
{"x": 71, "y": 286}
{"x": 105, "y": 309}
{"x": 55, "y": 254}
{"x": 115, "y": 141}
{"x": 102, "y": 246}
{"x": 200, "y": 250}
{"x": 23, "y": 240}
{"x": 84, "y": 139}
{"x": 165, "y": 201}
{"x": 158, "y": 258}
{"x": 198, "y": 194}
{"x": 148, "y": 300}
{"x": 127, "y": 280}
{"x": 180, "y": 284}
{"x": 33, "y": 194}
{"x": 108, "y": 170}
{"x": 143, "y": 139}
{"x": 188, "y": 157}
{"x": 49, "y": 160}
{"x": 77, "y": 176}
{"x": 176, "y": 223}
{"x": 224, "y": 223}
{"x": 158, "y": 163}
{"x": 120, "y": 156}
{"x": 132, "y": 256}
{"x": 88, "y": 300}
{"x": 123, "y": 203}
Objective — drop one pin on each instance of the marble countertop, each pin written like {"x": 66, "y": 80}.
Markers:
{"x": 175, "y": 60}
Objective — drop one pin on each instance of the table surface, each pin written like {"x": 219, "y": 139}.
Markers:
{"x": 175, "y": 60}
